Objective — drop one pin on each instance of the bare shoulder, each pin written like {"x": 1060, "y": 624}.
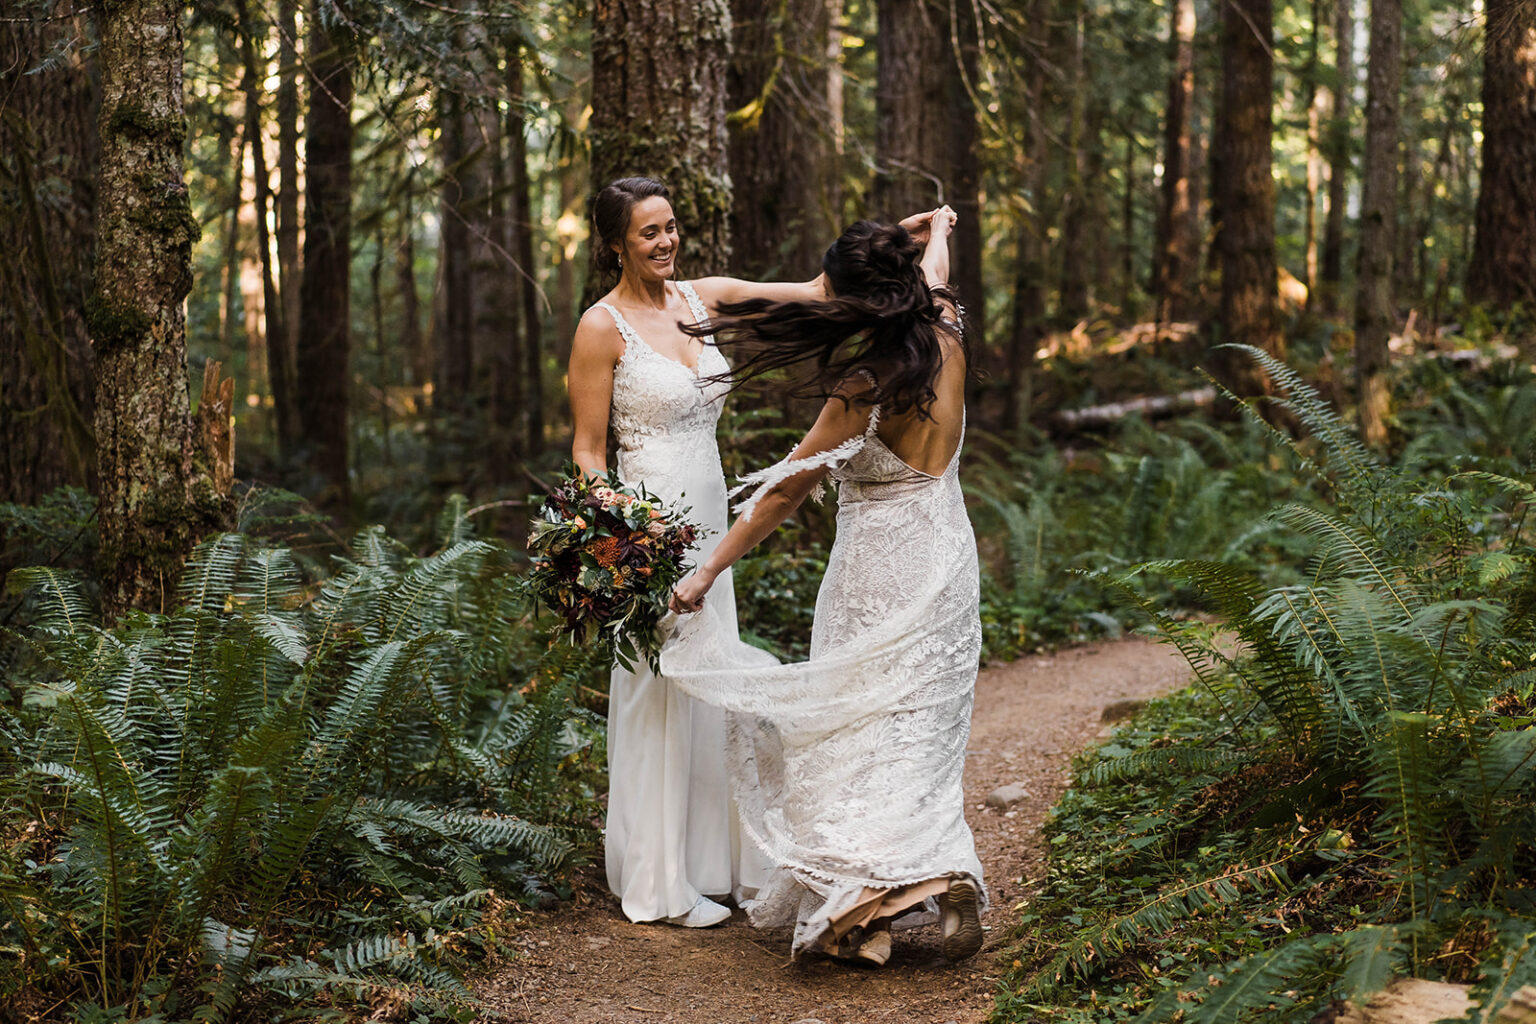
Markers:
{"x": 714, "y": 290}
{"x": 597, "y": 336}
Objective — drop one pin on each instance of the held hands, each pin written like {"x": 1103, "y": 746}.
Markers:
{"x": 688, "y": 596}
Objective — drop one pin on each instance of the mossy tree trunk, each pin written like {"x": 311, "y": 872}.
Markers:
{"x": 658, "y": 109}
{"x": 1503, "y": 270}
{"x": 155, "y": 497}
{"x": 1378, "y": 218}
{"x": 783, "y": 155}
{"x": 48, "y": 155}
{"x": 1246, "y": 194}
{"x": 325, "y": 309}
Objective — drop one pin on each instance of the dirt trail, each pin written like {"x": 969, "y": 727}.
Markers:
{"x": 584, "y": 962}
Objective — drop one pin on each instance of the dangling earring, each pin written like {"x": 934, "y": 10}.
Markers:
{"x": 621, "y": 261}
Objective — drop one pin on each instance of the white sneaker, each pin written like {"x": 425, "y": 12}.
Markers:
{"x": 706, "y": 913}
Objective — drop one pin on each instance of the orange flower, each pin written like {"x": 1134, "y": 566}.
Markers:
{"x": 606, "y": 550}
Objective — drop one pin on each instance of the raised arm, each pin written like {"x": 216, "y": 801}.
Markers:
{"x": 595, "y": 351}
{"x": 838, "y": 423}
{"x": 935, "y": 260}
{"x": 716, "y": 291}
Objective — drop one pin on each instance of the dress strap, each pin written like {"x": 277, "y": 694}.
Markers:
{"x": 695, "y": 304}
{"x": 625, "y": 330}
{"x": 764, "y": 480}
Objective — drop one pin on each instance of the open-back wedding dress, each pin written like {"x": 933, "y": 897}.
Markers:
{"x": 672, "y": 831}
{"x": 848, "y": 766}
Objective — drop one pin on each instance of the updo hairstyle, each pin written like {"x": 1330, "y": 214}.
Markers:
{"x": 611, "y": 209}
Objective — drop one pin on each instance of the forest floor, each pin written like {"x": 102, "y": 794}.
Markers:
{"x": 583, "y": 962}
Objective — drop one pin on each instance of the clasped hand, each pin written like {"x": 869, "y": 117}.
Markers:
{"x": 920, "y": 225}
{"x": 688, "y": 596}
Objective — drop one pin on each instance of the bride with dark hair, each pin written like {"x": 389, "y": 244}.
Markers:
{"x": 847, "y": 767}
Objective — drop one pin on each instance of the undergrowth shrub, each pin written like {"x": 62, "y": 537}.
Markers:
{"x": 1352, "y": 797}
{"x": 289, "y": 785}
{"x": 1041, "y": 513}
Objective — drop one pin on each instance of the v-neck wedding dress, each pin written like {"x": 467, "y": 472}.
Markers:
{"x": 672, "y": 831}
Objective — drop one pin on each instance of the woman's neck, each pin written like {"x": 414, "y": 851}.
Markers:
{"x": 642, "y": 293}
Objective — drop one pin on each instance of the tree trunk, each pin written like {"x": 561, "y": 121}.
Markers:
{"x": 285, "y": 402}
{"x": 1177, "y": 246}
{"x": 521, "y": 203}
{"x": 1246, "y": 188}
{"x": 452, "y": 338}
{"x": 960, "y": 77}
{"x": 152, "y": 505}
{"x": 1378, "y": 202}
{"x": 1314, "y": 160}
{"x": 1503, "y": 270}
{"x": 324, "y": 348}
{"x": 412, "y": 339}
{"x": 279, "y": 351}
{"x": 912, "y": 170}
{"x": 782, "y": 151}
{"x": 658, "y": 109}
{"x": 45, "y": 353}
{"x": 1340, "y": 132}
{"x": 1029, "y": 273}
{"x": 1076, "y": 259}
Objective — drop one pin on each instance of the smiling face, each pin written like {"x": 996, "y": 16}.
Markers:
{"x": 650, "y": 241}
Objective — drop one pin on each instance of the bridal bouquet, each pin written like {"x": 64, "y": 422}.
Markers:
{"x": 605, "y": 560}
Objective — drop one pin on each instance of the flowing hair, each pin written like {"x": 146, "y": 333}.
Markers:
{"x": 881, "y": 307}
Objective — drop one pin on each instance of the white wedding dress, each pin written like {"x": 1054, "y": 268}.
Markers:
{"x": 848, "y": 766}
{"x": 672, "y": 833}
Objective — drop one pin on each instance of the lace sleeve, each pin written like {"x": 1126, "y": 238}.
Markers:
{"x": 764, "y": 480}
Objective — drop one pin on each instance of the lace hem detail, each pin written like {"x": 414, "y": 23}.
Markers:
{"x": 764, "y": 480}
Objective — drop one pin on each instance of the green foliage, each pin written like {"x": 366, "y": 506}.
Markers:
{"x": 286, "y": 784}
{"x": 1041, "y": 513}
{"x": 1348, "y": 797}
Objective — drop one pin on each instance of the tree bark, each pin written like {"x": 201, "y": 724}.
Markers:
{"x": 531, "y": 342}
{"x": 153, "y": 505}
{"x": 1073, "y": 301}
{"x": 925, "y": 135}
{"x": 285, "y": 403}
{"x": 1314, "y": 158}
{"x": 1340, "y": 129}
{"x": 279, "y": 350}
{"x": 1378, "y": 202}
{"x": 782, "y": 151}
{"x": 1246, "y": 190}
{"x": 1503, "y": 270}
{"x": 658, "y": 109}
{"x": 1029, "y": 271}
{"x": 324, "y": 340}
{"x": 47, "y": 233}
{"x": 913, "y": 171}
{"x": 1177, "y": 244}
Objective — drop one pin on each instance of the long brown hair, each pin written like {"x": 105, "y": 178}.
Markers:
{"x": 881, "y": 307}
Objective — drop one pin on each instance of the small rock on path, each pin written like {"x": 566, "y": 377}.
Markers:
{"x": 1031, "y": 716}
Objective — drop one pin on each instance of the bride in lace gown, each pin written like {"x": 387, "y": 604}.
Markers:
{"x": 848, "y": 766}
{"x": 672, "y": 836}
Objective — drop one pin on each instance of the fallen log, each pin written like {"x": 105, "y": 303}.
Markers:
{"x": 1150, "y": 407}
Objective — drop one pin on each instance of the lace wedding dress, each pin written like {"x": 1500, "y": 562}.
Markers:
{"x": 848, "y": 766}
{"x": 672, "y": 830}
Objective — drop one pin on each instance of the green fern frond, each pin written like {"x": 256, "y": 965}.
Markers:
{"x": 64, "y": 610}
{"x": 1318, "y": 416}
